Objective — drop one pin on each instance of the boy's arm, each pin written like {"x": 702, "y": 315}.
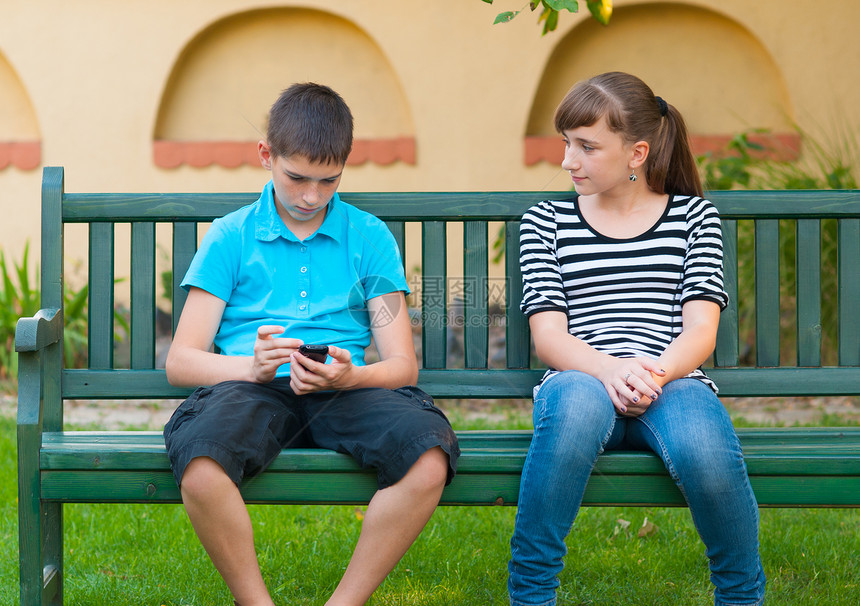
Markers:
{"x": 397, "y": 366}
{"x": 190, "y": 361}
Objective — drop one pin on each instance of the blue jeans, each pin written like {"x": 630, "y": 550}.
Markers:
{"x": 688, "y": 427}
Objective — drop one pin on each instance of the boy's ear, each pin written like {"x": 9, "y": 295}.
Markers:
{"x": 639, "y": 153}
{"x": 264, "y": 152}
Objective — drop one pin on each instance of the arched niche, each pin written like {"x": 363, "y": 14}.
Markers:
{"x": 20, "y": 142}
{"x": 216, "y": 99}
{"x": 721, "y": 78}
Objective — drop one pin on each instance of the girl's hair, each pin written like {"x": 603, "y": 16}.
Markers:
{"x": 313, "y": 121}
{"x": 632, "y": 110}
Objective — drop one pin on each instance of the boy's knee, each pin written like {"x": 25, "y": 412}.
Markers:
{"x": 201, "y": 475}
{"x": 431, "y": 468}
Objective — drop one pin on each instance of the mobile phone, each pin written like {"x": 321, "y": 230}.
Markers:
{"x": 317, "y": 353}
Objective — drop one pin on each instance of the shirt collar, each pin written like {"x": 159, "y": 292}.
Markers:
{"x": 268, "y": 225}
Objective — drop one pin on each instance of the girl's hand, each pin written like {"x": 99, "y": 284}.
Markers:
{"x": 307, "y": 376}
{"x": 633, "y": 384}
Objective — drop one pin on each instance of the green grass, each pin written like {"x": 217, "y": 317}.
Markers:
{"x": 148, "y": 554}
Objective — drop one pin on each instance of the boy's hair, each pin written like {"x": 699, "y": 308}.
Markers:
{"x": 313, "y": 121}
{"x": 632, "y": 110}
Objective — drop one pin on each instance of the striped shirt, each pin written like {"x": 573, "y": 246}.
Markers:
{"x": 622, "y": 297}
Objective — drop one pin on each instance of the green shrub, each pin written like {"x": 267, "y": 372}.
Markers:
{"x": 20, "y": 297}
{"x": 744, "y": 164}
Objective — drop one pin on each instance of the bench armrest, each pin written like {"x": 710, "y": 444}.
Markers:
{"x": 43, "y": 329}
{"x": 32, "y": 336}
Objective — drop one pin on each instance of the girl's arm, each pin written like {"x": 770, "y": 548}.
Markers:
{"x": 686, "y": 352}
{"x": 560, "y": 350}
{"x": 700, "y": 319}
{"x": 632, "y": 383}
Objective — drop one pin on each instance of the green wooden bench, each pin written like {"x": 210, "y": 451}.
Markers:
{"x": 789, "y": 467}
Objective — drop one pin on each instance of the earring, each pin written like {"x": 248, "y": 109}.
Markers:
{"x": 633, "y": 175}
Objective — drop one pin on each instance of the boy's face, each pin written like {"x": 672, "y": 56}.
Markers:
{"x": 303, "y": 189}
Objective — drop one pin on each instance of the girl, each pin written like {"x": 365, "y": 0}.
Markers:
{"x": 623, "y": 290}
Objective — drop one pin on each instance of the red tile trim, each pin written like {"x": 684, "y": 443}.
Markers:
{"x": 232, "y": 154}
{"x": 25, "y": 155}
{"x": 781, "y": 146}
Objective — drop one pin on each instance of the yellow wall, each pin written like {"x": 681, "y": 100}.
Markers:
{"x": 98, "y": 81}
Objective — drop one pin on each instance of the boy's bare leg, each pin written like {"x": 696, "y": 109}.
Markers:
{"x": 221, "y": 521}
{"x": 394, "y": 519}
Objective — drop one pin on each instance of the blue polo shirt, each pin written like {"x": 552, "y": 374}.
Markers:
{"x": 317, "y": 289}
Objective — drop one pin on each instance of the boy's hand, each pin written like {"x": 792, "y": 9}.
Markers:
{"x": 308, "y": 376}
{"x": 271, "y": 352}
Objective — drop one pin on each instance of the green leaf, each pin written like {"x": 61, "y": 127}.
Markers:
{"x": 559, "y": 5}
{"x": 505, "y": 16}
{"x": 76, "y": 302}
{"x": 488, "y": 1}
{"x": 550, "y": 19}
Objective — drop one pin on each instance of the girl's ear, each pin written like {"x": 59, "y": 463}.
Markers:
{"x": 264, "y": 152}
{"x": 639, "y": 153}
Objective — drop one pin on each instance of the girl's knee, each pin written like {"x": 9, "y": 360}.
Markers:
{"x": 715, "y": 466}
{"x": 575, "y": 398}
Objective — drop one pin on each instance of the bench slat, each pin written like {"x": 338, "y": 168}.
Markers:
{"x": 848, "y": 232}
{"x": 423, "y": 206}
{"x": 473, "y": 439}
{"x": 767, "y": 336}
{"x": 781, "y": 204}
{"x": 728, "y": 340}
{"x": 475, "y": 294}
{"x": 770, "y": 451}
{"x": 434, "y": 282}
{"x": 398, "y": 230}
{"x": 800, "y": 460}
{"x": 142, "y": 295}
{"x": 466, "y": 489}
{"x": 404, "y": 206}
{"x": 517, "y": 336}
{"x": 511, "y": 383}
{"x": 184, "y": 247}
{"x": 101, "y": 304}
{"x": 808, "y": 292}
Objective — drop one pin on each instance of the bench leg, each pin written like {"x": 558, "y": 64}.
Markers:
{"x": 41, "y": 558}
{"x": 40, "y": 531}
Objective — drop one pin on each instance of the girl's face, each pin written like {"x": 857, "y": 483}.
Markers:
{"x": 597, "y": 159}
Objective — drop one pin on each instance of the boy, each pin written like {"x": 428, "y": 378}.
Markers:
{"x": 301, "y": 266}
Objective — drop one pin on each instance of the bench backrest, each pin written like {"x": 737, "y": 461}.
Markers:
{"x": 809, "y": 295}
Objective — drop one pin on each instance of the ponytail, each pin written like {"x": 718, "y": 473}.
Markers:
{"x": 671, "y": 166}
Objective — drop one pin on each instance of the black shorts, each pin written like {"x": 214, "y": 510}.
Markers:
{"x": 243, "y": 426}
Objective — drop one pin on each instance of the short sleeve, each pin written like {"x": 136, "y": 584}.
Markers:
{"x": 215, "y": 266}
{"x": 382, "y": 271}
{"x": 703, "y": 265}
{"x": 543, "y": 288}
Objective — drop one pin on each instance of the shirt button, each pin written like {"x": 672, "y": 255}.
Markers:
{"x": 304, "y": 249}
{"x": 303, "y": 307}
{"x": 303, "y": 294}
{"x": 303, "y": 269}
